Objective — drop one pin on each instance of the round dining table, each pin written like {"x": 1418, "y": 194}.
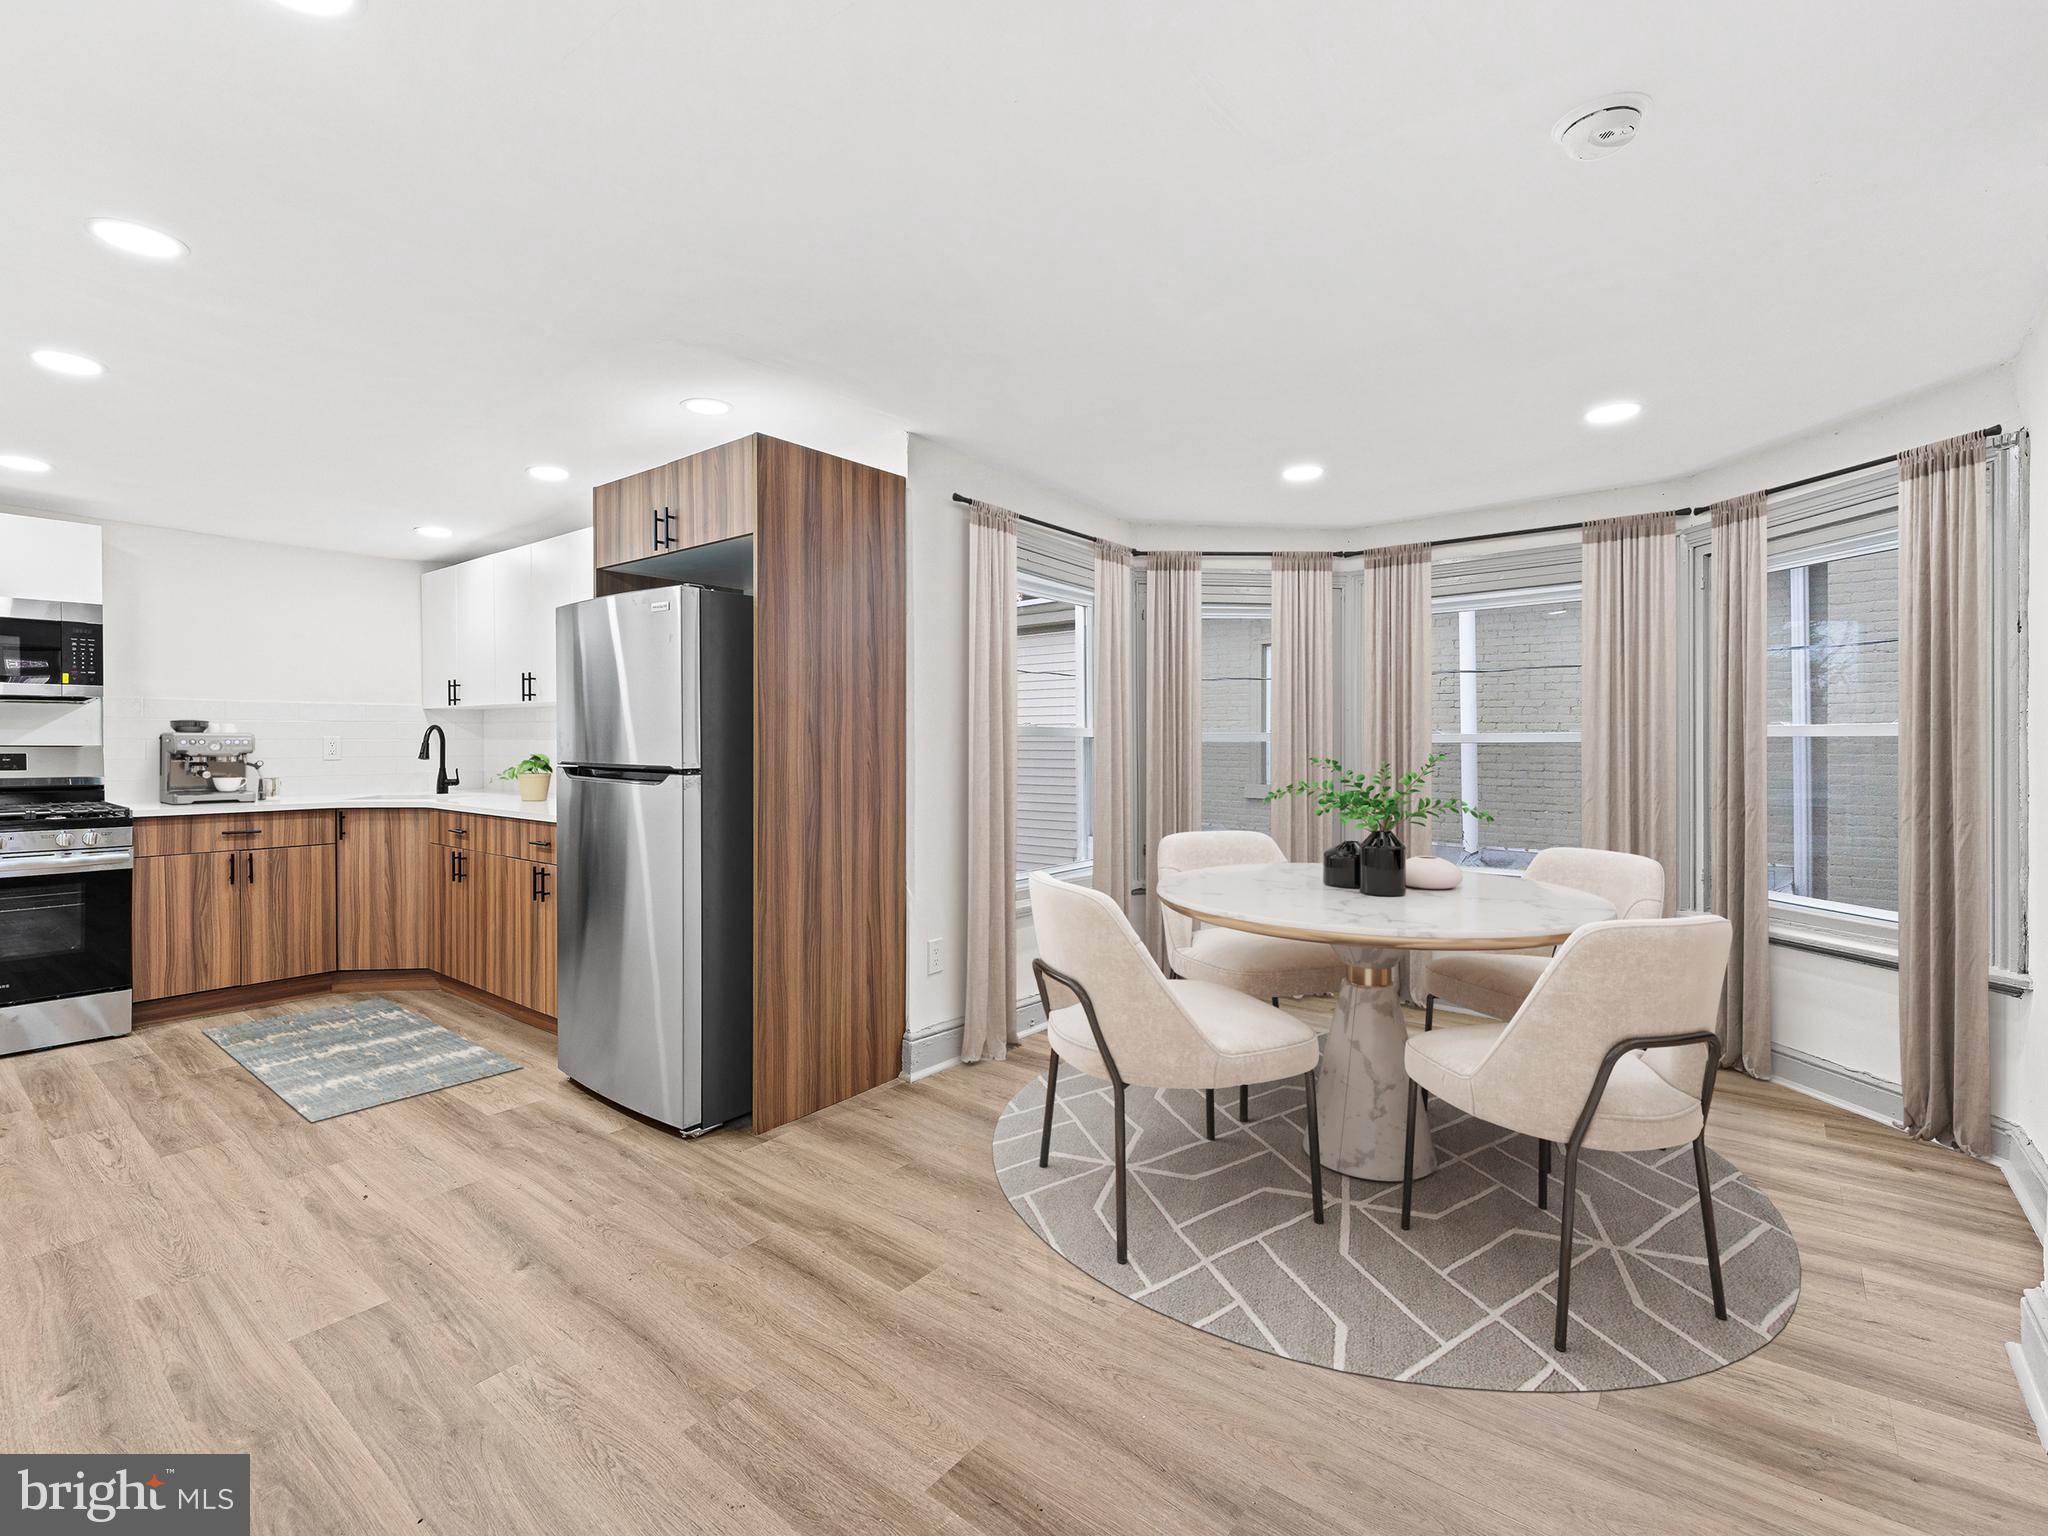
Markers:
{"x": 1362, "y": 1081}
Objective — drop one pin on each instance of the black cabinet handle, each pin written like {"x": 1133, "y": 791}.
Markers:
{"x": 244, "y": 832}
{"x": 541, "y": 873}
{"x": 231, "y": 869}
{"x": 341, "y": 826}
{"x": 457, "y": 686}
{"x": 533, "y": 884}
{"x": 538, "y": 842}
{"x": 458, "y": 831}
{"x": 252, "y": 867}
{"x": 668, "y": 527}
{"x": 655, "y": 513}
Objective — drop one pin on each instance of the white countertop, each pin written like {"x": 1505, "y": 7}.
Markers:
{"x": 476, "y": 805}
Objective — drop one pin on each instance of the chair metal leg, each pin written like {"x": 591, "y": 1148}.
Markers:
{"x": 1408, "y": 1157}
{"x": 1699, "y": 1168}
{"x": 1564, "y": 1241}
{"x": 1123, "y": 1241}
{"x": 1543, "y": 1174}
{"x": 1315, "y": 1148}
{"x": 1052, "y": 1083}
{"x": 1209, "y": 1105}
{"x": 1244, "y": 1103}
{"x": 1428, "y": 1023}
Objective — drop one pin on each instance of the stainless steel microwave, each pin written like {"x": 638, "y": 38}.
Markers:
{"x": 50, "y": 650}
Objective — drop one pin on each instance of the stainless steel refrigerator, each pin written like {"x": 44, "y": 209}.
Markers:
{"x": 656, "y": 852}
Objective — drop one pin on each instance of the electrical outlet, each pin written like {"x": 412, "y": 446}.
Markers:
{"x": 934, "y": 956}
{"x": 330, "y": 747}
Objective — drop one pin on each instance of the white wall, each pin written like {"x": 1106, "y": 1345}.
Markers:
{"x": 291, "y": 644}
{"x": 937, "y": 856}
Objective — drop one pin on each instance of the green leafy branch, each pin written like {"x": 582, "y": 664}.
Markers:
{"x": 1379, "y": 801}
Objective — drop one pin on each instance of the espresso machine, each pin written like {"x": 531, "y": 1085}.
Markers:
{"x": 196, "y": 767}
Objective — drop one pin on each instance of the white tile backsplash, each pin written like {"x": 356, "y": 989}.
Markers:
{"x": 380, "y": 743}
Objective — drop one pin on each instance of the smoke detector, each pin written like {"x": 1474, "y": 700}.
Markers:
{"x": 1603, "y": 127}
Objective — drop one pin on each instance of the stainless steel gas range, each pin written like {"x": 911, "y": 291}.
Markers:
{"x": 66, "y": 892}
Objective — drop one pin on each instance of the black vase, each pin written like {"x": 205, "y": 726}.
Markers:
{"x": 1383, "y": 864}
{"x": 1340, "y": 866}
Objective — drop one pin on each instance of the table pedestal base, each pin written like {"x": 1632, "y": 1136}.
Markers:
{"x": 1362, "y": 1083}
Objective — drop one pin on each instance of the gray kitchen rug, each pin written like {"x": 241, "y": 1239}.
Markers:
{"x": 362, "y": 1053}
{"x": 1221, "y": 1239}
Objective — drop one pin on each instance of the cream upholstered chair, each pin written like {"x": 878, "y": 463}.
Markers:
{"x": 1256, "y": 964}
{"x": 1129, "y": 1024}
{"x": 1577, "y": 1065}
{"x": 1494, "y": 983}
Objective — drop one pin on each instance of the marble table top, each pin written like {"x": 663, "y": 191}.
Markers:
{"x": 1485, "y": 911}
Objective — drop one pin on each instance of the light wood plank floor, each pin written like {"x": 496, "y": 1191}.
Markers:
{"x": 507, "y": 1308}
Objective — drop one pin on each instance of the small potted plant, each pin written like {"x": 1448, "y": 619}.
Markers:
{"x": 534, "y": 775}
{"x": 1382, "y": 805}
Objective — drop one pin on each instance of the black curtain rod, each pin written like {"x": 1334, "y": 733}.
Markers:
{"x": 1993, "y": 430}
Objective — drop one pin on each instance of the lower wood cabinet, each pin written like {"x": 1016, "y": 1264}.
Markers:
{"x": 385, "y": 918}
{"x": 204, "y": 921}
{"x": 394, "y": 890}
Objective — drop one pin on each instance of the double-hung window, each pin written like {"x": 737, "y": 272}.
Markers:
{"x": 1832, "y": 707}
{"x": 1055, "y": 709}
{"x": 1505, "y": 704}
{"x": 1237, "y": 695}
{"x": 1831, "y": 755}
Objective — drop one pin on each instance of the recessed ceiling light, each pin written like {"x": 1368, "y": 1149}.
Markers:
{"x": 70, "y": 364}
{"x": 548, "y": 472}
{"x": 433, "y": 531}
{"x": 1301, "y": 474}
{"x": 320, "y": 8}
{"x": 137, "y": 239}
{"x": 705, "y": 407}
{"x": 22, "y": 462}
{"x": 1613, "y": 411}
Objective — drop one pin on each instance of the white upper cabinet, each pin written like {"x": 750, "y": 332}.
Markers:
{"x": 49, "y": 560}
{"x": 487, "y": 627}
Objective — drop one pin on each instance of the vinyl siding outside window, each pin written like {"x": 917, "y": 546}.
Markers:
{"x": 1237, "y": 696}
{"x": 1055, "y": 728}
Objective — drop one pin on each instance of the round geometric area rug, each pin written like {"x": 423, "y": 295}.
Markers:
{"x": 1221, "y": 1239}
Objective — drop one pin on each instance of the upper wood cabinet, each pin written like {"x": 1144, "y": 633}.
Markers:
{"x": 487, "y": 626}
{"x": 704, "y": 499}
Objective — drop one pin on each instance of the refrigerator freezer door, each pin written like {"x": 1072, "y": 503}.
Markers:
{"x": 627, "y": 668}
{"x": 629, "y": 1011}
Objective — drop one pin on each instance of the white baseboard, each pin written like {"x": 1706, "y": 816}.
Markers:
{"x": 2030, "y": 1358}
{"x": 2012, "y": 1151}
{"x": 937, "y": 1047}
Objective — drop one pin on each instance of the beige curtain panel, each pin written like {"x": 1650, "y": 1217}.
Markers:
{"x": 1944, "y": 794}
{"x": 1628, "y": 787}
{"x": 1304, "y": 694}
{"x": 1115, "y": 681}
{"x": 1396, "y": 662}
{"x": 991, "y": 1026}
{"x": 1173, "y": 712}
{"x": 1739, "y": 860}
{"x": 1396, "y": 609}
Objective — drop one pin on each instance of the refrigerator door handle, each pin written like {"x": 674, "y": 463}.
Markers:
{"x": 622, "y": 773}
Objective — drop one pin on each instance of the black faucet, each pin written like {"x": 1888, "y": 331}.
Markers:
{"x": 442, "y": 777}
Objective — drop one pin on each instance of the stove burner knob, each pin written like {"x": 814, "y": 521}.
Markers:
{"x": 63, "y": 839}
{"x": 90, "y": 839}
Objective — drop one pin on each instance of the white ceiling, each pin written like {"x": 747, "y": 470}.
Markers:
{"x": 1146, "y": 253}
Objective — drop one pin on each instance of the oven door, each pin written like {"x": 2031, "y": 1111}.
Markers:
{"x": 64, "y": 926}
{"x": 50, "y": 650}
